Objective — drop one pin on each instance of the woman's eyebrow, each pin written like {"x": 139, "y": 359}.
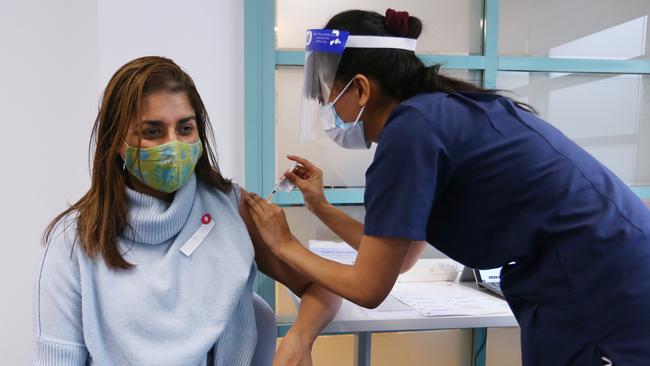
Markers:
{"x": 185, "y": 119}
{"x": 155, "y": 122}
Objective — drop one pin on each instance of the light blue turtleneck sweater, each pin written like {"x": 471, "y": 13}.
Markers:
{"x": 171, "y": 308}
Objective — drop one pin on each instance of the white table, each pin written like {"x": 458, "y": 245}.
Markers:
{"x": 363, "y": 322}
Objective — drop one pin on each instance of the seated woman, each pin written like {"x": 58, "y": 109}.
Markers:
{"x": 155, "y": 264}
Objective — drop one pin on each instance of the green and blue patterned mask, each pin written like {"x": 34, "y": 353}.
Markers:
{"x": 165, "y": 168}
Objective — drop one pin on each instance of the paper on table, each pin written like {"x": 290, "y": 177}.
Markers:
{"x": 392, "y": 304}
{"x": 337, "y": 251}
{"x": 440, "y": 299}
{"x": 429, "y": 298}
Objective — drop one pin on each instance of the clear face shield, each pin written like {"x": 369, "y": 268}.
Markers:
{"x": 323, "y": 51}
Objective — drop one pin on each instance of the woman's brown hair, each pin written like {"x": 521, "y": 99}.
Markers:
{"x": 101, "y": 214}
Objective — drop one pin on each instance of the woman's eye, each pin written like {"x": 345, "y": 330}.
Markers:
{"x": 187, "y": 129}
{"x": 151, "y": 132}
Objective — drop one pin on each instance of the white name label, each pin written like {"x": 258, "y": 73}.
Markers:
{"x": 195, "y": 240}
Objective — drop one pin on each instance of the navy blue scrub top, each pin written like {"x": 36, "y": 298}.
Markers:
{"x": 490, "y": 184}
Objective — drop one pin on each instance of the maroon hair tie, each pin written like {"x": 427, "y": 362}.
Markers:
{"x": 397, "y": 22}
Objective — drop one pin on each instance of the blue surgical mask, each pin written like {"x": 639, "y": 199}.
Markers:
{"x": 349, "y": 135}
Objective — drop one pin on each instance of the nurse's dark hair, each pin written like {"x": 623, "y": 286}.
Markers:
{"x": 101, "y": 214}
{"x": 400, "y": 73}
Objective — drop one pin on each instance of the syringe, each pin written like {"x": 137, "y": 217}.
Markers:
{"x": 284, "y": 185}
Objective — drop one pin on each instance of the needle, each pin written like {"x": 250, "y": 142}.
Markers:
{"x": 277, "y": 185}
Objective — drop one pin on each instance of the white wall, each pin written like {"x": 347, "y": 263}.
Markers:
{"x": 204, "y": 37}
{"x": 55, "y": 59}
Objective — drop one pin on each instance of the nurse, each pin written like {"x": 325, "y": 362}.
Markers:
{"x": 484, "y": 180}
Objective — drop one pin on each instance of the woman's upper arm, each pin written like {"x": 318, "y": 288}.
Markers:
{"x": 266, "y": 261}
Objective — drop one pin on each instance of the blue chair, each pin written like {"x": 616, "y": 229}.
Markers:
{"x": 266, "y": 332}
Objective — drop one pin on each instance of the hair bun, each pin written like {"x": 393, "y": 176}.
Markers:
{"x": 399, "y": 23}
{"x": 396, "y": 22}
{"x": 414, "y": 28}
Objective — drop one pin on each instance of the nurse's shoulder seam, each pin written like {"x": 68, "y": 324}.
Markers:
{"x": 402, "y": 119}
{"x": 408, "y": 109}
{"x": 434, "y": 103}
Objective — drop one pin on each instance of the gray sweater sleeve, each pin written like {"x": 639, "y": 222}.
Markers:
{"x": 57, "y": 316}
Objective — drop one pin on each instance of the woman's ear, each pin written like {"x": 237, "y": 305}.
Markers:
{"x": 363, "y": 89}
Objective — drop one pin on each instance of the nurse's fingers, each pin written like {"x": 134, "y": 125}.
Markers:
{"x": 296, "y": 179}
{"x": 256, "y": 218}
{"x": 254, "y": 204}
{"x": 306, "y": 163}
{"x": 265, "y": 204}
{"x": 301, "y": 172}
{"x": 253, "y": 214}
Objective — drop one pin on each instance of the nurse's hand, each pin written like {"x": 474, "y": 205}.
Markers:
{"x": 309, "y": 179}
{"x": 270, "y": 221}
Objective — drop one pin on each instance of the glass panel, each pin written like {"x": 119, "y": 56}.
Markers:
{"x": 604, "y": 29}
{"x": 449, "y": 27}
{"x": 341, "y": 167}
{"x": 608, "y": 115}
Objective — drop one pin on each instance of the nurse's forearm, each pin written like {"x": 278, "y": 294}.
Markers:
{"x": 317, "y": 308}
{"x": 342, "y": 224}
{"x": 336, "y": 277}
{"x": 351, "y": 231}
{"x": 358, "y": 283}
